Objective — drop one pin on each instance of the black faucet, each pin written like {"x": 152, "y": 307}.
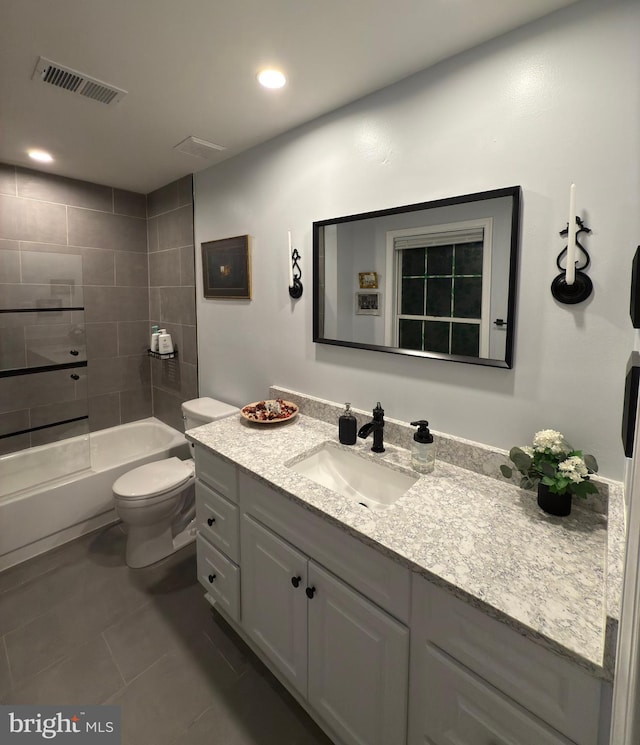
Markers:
{"x": 376, "y": 425}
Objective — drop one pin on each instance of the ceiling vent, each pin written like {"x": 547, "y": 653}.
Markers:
{"x": 76, "y": 82}
{"x": 198, "y": 148}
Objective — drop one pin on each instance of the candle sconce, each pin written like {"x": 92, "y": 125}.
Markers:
{"x": 295, "y": 290}
{"x": 582, "y": 287}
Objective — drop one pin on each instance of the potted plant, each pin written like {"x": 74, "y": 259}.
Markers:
{"x": 555, "y": 468}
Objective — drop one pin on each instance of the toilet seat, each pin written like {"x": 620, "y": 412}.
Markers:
{"x": 154, "y": 479}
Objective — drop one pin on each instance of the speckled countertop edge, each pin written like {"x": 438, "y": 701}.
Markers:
{"x": 573, "y": 629}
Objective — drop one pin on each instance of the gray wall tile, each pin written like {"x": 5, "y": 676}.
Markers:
{"x": 135, "y": 372}
{"x": 9, "y": 265}
{"x": 104, "y": 377}
{"x": 133, "y": 337}
{"x": 50, "y": 188}
{"x": 152, "y": 234}
{"x": 136, "y": 404}
{"x": 26, "y": 220}
{"x": 175, "y": 228}
{"x": 187, "y": 266}
{"x": 28, "y": 391}
{"x": 29, "y": 296}
{"x": 12, "y": 348}
{"x": 167, "y": 408}
{"x": 189, "y": 351}
{"x": 102, "y": 340}
{"x": 154, "y": 305}
{"x": 42, "y": 268}
{"x": 57, "y": 412}
{"x": 14, "y": 421}
{"x": 185, "y": 190}
{"x": 164, "y": 268}
{"x": 131, "y": 269}
{"x": 104, "y": 411}
{"x": 129, "y": 203}
{"x": 163, "y": 199}
{"x": 102, "y": 230}
{"x": 116, "y": 304}
{"x": 14, "y": 444}
{"x": 178, "y": 305}
{"x": 99, "y": 266}
{"x": 7, "y": 179}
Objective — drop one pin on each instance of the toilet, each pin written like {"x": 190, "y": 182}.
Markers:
{"x": 156, "y": 501}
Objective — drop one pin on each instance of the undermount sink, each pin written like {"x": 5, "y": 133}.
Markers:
{"x": 371, "y": 483}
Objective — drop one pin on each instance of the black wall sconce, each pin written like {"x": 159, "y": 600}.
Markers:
{"x": 295, "y": 273}
{"x": 572, "y": 285}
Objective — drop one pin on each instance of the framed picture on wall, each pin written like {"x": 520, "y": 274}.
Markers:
{"x": 226, "y": 268}
{"x": 368, "y": 303}
{"x": 368, "y": 280}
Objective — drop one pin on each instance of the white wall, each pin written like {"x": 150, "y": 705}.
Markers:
{"x": 553, "y": 103}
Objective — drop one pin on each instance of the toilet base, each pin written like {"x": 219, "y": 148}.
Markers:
{"x": 148, "y": 544}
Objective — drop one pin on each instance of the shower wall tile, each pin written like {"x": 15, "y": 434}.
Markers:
{"x": 185, "y": 190}
{"x": 47, "y": 187}
{"x": 129, "y": 203}
{"x": 104, "y": 411}
{"x": 116, "y": 304}
{"x": 41, "y": 296}
{"x": 58, "y": 412}
{"x": 14, "y": 421}
{"x": 178, "y": 305}
{"x": 133, "y": 338}
{"x": 187, "y": 266}
{"x": 165, "y": 198}
{"x": 135, "y": 372}
{"x": 9, "y": 265}
{"x": 38, "y": 389}
{"x": 136, "y": 404}
{"x": 7, "y": 179}
{"x": 43, "y": 268}
{"x": 132, "y": 269}
{"x": 99, "y": 266}
{"x": 166, "y": 407}
{"x": 27, "y": 220}
{"x": 62, "y": 432}
{"x": 101, "y": 340}
{"x": 12, "y": 348}
{"x": 102, "y": 230}
{"x": 152, "y": 234}
{"x": 189, "y": 345}
{"x": 154, "y": 305}
{"x": 175, "y": 228}
{"x": 104, "y": 377}
{"x": 164, "y": 268}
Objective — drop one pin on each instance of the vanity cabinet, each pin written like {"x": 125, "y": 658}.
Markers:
{"x": 218, "y": 540}
{"x": 474, "y": 681}
{"x": 342, "y": 653}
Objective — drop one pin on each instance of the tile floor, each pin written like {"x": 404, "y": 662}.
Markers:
{"x": 77, "y": 626}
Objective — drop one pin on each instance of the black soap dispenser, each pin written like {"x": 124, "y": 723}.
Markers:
{"x": 423, "y": 449}
{"x": 347, "y": 427}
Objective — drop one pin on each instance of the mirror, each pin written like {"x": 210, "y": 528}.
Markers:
{"x": 435, "y": 279}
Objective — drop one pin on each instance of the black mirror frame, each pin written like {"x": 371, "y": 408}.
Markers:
{"x": 512, "y": 191}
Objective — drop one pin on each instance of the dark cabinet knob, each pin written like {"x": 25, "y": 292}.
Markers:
{"x": 74, "y": 352}
{"x": 73, "y": 376}
{"x": 212, "y": 577}
{"x": 210, "y": 521}
{"x": 295, "y": 581}
{"x": 311, "y": 591}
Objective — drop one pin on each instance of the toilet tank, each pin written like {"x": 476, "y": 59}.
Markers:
{"x": 201, "y": 411}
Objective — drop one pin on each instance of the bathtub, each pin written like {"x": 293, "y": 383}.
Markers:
{"x": 79, "y": 473}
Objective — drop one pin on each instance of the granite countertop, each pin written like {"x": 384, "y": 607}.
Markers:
{"x": 484, "y": 539}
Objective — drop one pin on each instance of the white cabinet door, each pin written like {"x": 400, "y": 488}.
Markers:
{"x": 358, "y": 664}
{"x": 274, "y": 604}
{"x": 451, "y": 706}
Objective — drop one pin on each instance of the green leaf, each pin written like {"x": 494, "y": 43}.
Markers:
{"x": 547, "y": 469}
{"x": 506, "y": 471}
{"x": 547, "y": 481}
{"x": 591, "y": 463}
{"x": 527, "y": 483}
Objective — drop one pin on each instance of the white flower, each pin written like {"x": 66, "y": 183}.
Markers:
{"x": 573, "y": 468}
{"x": 549, "y": 439}
{"x": 528, "y": 450}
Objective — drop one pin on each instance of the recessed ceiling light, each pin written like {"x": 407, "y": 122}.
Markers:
{"x": 271, "y": 78}
{"x": 40, "y": 155}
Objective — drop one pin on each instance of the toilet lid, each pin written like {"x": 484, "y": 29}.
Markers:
{"x": 153, "y": 478}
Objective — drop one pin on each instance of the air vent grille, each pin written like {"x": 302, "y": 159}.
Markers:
{"x": 76, "y": 82}
{"x": 198, "y": 148}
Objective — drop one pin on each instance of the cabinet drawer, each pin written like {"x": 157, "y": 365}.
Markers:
{"x": 217, "y": 473}
{"x": 376, "y": 576}
{"x": 462, "y": 710}
{"x": 217, "y": 521}
{"x": 220, "y": 577}
{"x": 553, "y": 688}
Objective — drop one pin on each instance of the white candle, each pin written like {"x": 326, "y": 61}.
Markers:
{"x": 290, "y": 262}
{"x": 571, "y": 237}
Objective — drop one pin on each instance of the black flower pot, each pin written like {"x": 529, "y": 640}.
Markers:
{"x": 553, "y": 504}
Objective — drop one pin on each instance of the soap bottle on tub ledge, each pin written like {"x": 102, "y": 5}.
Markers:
{"x": 423, "y": 449}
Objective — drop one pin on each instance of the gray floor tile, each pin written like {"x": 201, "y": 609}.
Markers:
{"x": 88, "y": 676}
